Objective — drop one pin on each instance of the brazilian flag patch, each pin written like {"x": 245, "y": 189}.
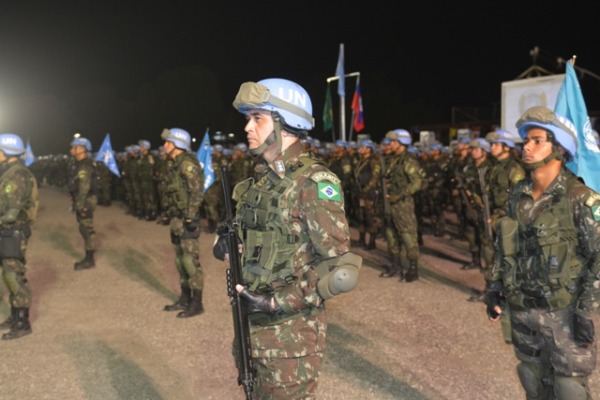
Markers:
{"x": 596, "y": 212}
{"x": 329, "y": 191}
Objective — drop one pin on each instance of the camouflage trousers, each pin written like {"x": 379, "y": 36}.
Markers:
{"x": 86, "y": 228}
{"x": 287, "y": 378}
{"x": 13, "y": 275}
{"x": 403, "y": 232}
{"x": 544, "y": 339}
{"x": 187, "y": 256}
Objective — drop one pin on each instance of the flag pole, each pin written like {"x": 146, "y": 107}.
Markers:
{"x": 342, "y": 102}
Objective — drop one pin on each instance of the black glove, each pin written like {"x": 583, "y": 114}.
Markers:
{"x": 583, "y": 329}
{"x": 257, "y": 302}
{"x": 491, "y": 300}
{"x": 221, "y": 246}
{"x": 191, "y": 225}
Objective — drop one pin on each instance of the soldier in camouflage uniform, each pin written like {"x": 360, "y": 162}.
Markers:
{"x": 213, "y": 197}
{"x": 367, "y": 180}
{"x": 184, "y": 196}
{"x": 241, "y": 166}
{"x": 480, "y": 244}
{"x": 104, "y": 184}
{"x": 160, "y": 177}
{"x": 18, "y": 198}
{"x": 148, "y": 195}
{"x": 461, "y": 156}
{"x": 402, "y": 178}
{"x": 82, "y": 187}
{"x": 128, "y": 174}
{"x": 546, "y": 274}
{"x": 436, "y": 195}
{"x": 340, "y": 164}
{"x": 296, "y": 252}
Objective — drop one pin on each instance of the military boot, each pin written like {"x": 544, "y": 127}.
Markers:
{"x": 195, "y": 307}
{"x": 10, "y": 321}
{"x": 361, "y": 239}
{"x": 21, "y": 327}
{"x": 371, "y": 245}
{"x": 413, "y": 272}
{"x": 182, "y": 302}
{"x": 475, "y": 263}
{"x": 394, "y": 270}
{"x": 87, "y": 262}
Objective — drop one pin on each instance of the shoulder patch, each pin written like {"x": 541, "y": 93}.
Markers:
{"x": 329, "y": 191}
{"x": 325, "y": 176}
{"x": 593, "y": 201}
{"x": 9, "y": 188}
{"x": 81, "y": 174}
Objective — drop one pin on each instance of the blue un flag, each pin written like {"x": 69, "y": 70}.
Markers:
{"x": 106, "y": 155}
{"x": 204, "y": 156}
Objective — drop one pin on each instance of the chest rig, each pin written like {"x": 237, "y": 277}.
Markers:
{"x": 542, "y": 267}
{"x": 269, "y": 243}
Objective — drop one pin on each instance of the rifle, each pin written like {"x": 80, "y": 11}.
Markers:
{"x": 386, "y": 202}
{"x": 486, "y": 205}
{"x": 241, "y": 325}
{"x": 467, "y": 200}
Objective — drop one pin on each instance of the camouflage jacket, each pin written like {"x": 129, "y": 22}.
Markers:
{"x": 82, "y": 182}
{"x": 184, "y": 188}
{"x": 15, "y": 192}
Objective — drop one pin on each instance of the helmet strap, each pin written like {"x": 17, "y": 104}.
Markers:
{"x": 275, "y": 136}
{"x": 556, "y": 154}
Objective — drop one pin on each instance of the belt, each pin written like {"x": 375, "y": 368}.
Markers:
{"x": 528, "y": 351}
{"x": 535, "y": 302}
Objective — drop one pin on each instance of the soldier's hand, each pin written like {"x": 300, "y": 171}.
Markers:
{"x": 583, "y": 329}
{"x": 84, "y": 212}
{"x": 191, "y": 224}
{"x": 256, "y": 302}
{"x": 492, "y": 302}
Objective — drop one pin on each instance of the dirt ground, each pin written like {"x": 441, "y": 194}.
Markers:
{"x": 101, "y": 333}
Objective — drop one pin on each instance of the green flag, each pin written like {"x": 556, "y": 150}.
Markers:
{"x": 327, "y": 111}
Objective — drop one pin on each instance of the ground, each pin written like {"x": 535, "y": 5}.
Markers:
{"x": 102, "y": 334}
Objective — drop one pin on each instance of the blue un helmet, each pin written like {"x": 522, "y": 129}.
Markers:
{"x": 501, "y": 136}
{"x": 480, "y": 143}
{"x": 400, "y": 135}
{"x": 144, "y": 144}
{"x": 367, "y": 143}
{"x": 342, "y": 143}
{"x": 179, "y": 137}
{"x": 562, "y": 129}
{"x": 81, "y": 141}
{"x": 11, "y": 144}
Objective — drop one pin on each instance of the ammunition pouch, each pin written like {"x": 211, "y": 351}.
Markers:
{"x": 10, "y": 243}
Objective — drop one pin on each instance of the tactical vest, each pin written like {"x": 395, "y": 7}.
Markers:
{"x": 541, "y": 265}
{"x": 176, "y": 190}
{"x": 31, "y": 206}
{"x": 268, "y": 240}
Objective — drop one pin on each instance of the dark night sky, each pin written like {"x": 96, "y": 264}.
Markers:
{"x": 133, "y": 69}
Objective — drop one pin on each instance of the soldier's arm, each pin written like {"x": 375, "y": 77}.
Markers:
{"x": 195, "y": 182}
{"x": 13, "y": 197}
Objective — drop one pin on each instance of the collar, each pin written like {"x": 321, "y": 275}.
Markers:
{"x": 287, "y": 158}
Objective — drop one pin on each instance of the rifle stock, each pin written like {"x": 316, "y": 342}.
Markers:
{"x": 486, "y": 205}
{"x": 241, "y": 324}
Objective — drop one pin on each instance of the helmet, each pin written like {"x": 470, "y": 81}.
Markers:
{"x": 11, "y": 144}
{"x": 287, "y": 98}
{"x": 342, "y": 143}
{"x": 480, "y": 143}
{"x": 435, "y": 146}
{"x": 542, "y": 117}
{"x": 241, "y": 147}
{"x": 144, "y": 144}
{"x": 400, "y": 135}
{"x": 81, "y": 141}
{"x": 179, "y": 137}
{"x": 385, "y": 141}
{"x": 367, "y": 143}
{"x": 218, "y": 147}
{"x": 500, "y": 136}
{"x": 413, "y": 149}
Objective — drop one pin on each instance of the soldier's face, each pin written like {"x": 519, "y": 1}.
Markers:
{"x": 258, "y": 127}
{"x": 536, "y": 146}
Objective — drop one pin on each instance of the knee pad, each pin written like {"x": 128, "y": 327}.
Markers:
{"x": 569, "y": 388}
{"x": 531, "y": 377}
{"x": 339, "y": 275}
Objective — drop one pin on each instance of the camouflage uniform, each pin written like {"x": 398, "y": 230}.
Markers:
{"x": 403, "y": 178}
{"x": 149, "y": 201}
{"x": 241, "y": 166}
{"x": 436, "y": 195}
{"x": 16, "y": 188}
{"x": 340, "y": 163}
{"x": 457, "y": 166}
{"x": 367, "y": 178}
{"x": 104, "y": 184}
{"x": 183, "y": 198}
{"x": 160, "y": 177}
{"x": 287, "y": 348}
{"x": 213, "y": 197}
{"x": 82, "y": 187}
{"x": 547, "y": 276}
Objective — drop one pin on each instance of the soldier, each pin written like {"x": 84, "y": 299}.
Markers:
{"x": 184, "y": 196}
{"x": 242, "y": 165}
{"x": 300, "y": 242}
{"x": 82, "y": 187}
{"x": 18, "y": 209}
{"x": 546, "y": 274}
{"x": 367, "y": 177}
{"x": 213, "y": 197}
{"x": 505, "y": 172}
{"x": 436, "y": 196}
{"x": 147, "y": 186}
{"x": 457, "y": 166}
{"x": 104, "y": 184}
{"x": 160, "y": 177}
{"x": 403, "y": 178}
{"x": 479, "y": 242}
{"x": 341, "y": 165}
